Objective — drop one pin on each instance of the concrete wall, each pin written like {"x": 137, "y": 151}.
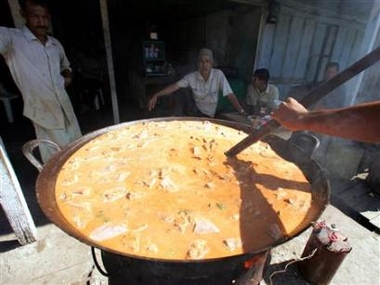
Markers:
{"x": 306, "y": 36}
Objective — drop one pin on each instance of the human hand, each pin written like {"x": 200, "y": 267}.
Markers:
{"x": 68, "y": 81}
{"x": 289, "y": 113}
{"x": 152, "y": 103}
{"x": 67, "y": 76}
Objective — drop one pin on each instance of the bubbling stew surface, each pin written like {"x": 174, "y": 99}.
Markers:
{"x": 166, "y": 190}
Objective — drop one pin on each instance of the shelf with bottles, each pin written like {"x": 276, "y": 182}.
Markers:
{"x": 154, "y": 50}
{"x": 154, "y": 57}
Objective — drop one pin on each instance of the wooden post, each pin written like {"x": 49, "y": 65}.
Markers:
{"x": 111, "y": 73}
{"x": 13, "y": 202}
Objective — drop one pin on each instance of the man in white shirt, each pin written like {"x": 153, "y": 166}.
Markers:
{"x": 41, "y": 71}
{"x": 205, "y": 84}
{"x": 261, "y": 96}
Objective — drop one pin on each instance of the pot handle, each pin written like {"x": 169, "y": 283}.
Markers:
{"x": 29, "y": 147}
{"x": 97, "y": 265}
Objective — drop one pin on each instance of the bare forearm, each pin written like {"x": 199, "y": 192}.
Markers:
{"x": 67, "y": 75}
{"x": 167, "y": 90}
{"x": 360, "y": 122}
{"x": 235, "y": 102}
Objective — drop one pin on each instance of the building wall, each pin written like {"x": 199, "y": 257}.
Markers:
{"x": 304, "y": 38}
{"x": 368, "y": 87}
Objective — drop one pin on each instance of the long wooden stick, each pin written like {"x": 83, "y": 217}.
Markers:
{"x": 310, "y": 98}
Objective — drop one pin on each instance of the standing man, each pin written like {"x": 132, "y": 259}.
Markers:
{"x": 205, "y": 85}
{"x": 41, "y": 71}
{"x": 261, "y": 96}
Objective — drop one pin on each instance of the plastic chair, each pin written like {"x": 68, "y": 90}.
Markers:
{"x": 6, "y": 98}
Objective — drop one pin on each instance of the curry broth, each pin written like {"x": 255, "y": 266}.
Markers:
{"x": 166, "y": 190}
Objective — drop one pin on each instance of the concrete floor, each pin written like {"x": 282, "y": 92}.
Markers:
{"x": 56, "y": 258}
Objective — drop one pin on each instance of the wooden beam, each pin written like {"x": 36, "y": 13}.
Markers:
{"x": 111, "y": 73}
{"x": 13, "y": 202}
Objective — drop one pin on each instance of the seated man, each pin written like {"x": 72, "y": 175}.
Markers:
{"x": 205, "y": 85}
{"x": 261, "y": 96}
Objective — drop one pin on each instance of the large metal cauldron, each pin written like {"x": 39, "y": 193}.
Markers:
{"x": 128, "y": 269}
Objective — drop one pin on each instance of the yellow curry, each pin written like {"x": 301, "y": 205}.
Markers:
{"x": 166, "y": 190}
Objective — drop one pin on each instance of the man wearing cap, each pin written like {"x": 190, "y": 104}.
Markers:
{"x": 205, "y": 84}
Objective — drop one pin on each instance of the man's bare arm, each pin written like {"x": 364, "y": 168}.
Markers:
{"x": 166, "y": 91}
{"x": 67, "y": 75}
{"x": 359, "y": 122}
{"x": 235, "y": 102}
